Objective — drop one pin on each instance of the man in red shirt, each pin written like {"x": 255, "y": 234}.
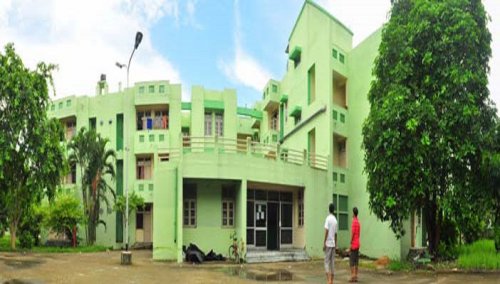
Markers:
{"x": 354, "y": 255}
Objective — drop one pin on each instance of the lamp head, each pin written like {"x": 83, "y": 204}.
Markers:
{"x": 138, "y": 39}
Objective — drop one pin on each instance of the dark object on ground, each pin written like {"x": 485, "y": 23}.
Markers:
{"x": 137, "y": 246}
{"x": 195, "y": 255}
{"x": 419, "y": 257}
{"x": 58, "y": 243}
{"x": 213, "y": 256}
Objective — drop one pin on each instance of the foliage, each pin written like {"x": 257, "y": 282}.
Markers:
{"x": 30, "y": 153}
{"x": 429, "y": 112}
{"x": 65, "y": 213}
{"x": 5, "y": 246}
{"x": 134, "y": 201}
{"x": 88, "y": 150}
{"x": 398, "y": 265}
{"x": 31, "y": 226}
{"x": 479, "y": 255}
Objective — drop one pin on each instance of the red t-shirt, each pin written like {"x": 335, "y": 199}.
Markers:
{"x": 355, "y": 230}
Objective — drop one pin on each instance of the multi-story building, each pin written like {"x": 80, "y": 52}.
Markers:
{"x": 208, "y": 168}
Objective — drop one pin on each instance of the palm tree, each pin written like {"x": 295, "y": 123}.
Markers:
{"x": 88, "y": 150}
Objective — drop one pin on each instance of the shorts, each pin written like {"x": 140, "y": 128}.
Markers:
{"x": 354, "y": 257}
{"x": 329, "y": 259}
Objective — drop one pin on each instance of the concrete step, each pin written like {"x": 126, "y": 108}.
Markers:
{"x": 276, "y": 256}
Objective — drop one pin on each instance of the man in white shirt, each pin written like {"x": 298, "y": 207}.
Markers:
{"x": 331, "y": 227}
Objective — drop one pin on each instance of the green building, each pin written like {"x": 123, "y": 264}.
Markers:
{"x": 208, "y": 168}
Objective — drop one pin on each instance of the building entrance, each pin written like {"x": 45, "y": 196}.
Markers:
{"x": 269, "y": 219}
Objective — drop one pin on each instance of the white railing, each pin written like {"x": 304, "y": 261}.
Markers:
{"x": 211, "y": 144}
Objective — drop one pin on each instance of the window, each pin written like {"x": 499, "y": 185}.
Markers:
{"x": 70, "y": 129}
{"x": 228, "y": 204}
{"x": 311, "y": 84}
{"x": 68, "y": 103}
{"x": 144, "y": 168}
{"x": 141, "y": 90}
{"x": 151, "y": 89}
{"x": 219, "y": 124}
{"x": 342, "y": 118}
{"x": 334, "y": 114}
{"x": 139, "y": 220}
{"x": 273, "y": 122}
{"x": 60, "y": 105}
{"x": 301, "y": 208}
{"x": 189, "y": 209}
{"x": 341, "y": 58}
{"x": 71, "y": 177}
{"x": 214, "y": 122}
{"x": 342, "y": 208}
{"x": 119, "y": 131}
{"x": 92, "y": 123}
{"x": 186, "y": 141}
{"x": 161, "y": 89}
{"x": 152, "y": 119}
{"x": 334, "y": 53}
{"x": 274, "y": 88}
{"x": 208, "y": 124}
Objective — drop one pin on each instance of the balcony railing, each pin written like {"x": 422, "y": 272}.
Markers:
{"x": 243, "y": 147}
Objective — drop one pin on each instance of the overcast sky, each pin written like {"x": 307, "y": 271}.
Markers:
{"x": 215, "y": 43}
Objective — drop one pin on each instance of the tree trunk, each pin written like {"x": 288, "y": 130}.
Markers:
{"x": 430, "y": 222}
{"x": 13, "y": 230}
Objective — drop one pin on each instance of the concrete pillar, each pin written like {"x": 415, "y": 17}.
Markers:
{"x": 241, "y": 215}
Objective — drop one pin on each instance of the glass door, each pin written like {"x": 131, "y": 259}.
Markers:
{"x": 261, "y": 224}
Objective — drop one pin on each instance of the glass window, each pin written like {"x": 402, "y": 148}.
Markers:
{"x": 334, "y": 53}
{"x": 151, "y": 89}
{"x": 141, "y": 90}
{"x": 161, "y": 89}
{"x": 189, "y": 203}
{"x": 144, "y": 168}
{"x": 341, "y": 58}
{"x": 208, "y": 124}
{"x": 301, "y": 208}
{"x": 342, "y": 117}
{"x": 228, "y": 204}
{"x": 274, "y": 88}
{"x": 219, "y": 124}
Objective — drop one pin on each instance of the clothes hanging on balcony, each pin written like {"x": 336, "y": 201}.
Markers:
{"x": 164, "y": 122}
{"x": 149, "y": 123}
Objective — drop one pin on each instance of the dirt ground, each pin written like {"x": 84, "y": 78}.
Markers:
{"x": 105, "y": 267}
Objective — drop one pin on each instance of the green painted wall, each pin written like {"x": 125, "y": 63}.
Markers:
{"x": 324, "y": 43}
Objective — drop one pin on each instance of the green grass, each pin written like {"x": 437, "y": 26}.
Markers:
{"x": 397, "y": 265}
{"x": 5, "y": 246}
{"x": 480, "y": 255}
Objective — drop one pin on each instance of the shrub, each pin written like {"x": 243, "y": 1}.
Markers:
{"x": 65, "y": 213}
{"x": 31, "y": 226}
{"x": 479, "y": 255}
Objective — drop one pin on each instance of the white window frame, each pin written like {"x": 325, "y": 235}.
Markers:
{"x": 226, "y": 210}
{"x": 191, "y": 213}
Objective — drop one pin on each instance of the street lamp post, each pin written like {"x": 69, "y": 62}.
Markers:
{"x": 138, "y": 39}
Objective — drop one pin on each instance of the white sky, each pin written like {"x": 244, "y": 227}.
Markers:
{"x": 84, "y": 36}
{"x": 363, "y": 17}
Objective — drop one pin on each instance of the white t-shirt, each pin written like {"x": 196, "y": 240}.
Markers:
{"x": 331, "y": 226}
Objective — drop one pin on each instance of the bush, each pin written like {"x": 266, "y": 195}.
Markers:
{"x": 30, "y": 226}
{"x": 397, "y": 265}
{"x": 479, "y": 255}
{"x": 65, "y": 213}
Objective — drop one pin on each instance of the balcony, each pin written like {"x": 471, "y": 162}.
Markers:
{"x": 147, "y": 141}
{"x": 271, "y": 100}
{"x": 246, "y": 147}
{"x": 145, "y": 189}
{"x": 151, "y": 98}
{"x": 63, "y": 108}
{"x": 339, "y": 119}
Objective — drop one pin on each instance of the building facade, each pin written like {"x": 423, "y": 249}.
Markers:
{"x": 208, "y": 168}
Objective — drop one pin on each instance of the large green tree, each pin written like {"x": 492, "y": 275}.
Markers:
{"x": 429, "y": 112}
{"x": 88, "y": 150}
{"x": 30, "y": 151}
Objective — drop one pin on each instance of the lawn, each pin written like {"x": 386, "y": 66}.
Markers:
{"x": 480, "y": 255}
{"x": 5, "y": 246}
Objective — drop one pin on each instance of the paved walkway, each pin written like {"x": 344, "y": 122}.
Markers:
{"x": 105, "y": 268}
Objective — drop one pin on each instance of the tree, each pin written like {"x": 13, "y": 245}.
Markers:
{"x": 88, "y": 150}
{"x": 429, "y": 112}
{"x": 134, "y": 202}
{"x": 64, "y": 214}
{"x": 30, "y": 152}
